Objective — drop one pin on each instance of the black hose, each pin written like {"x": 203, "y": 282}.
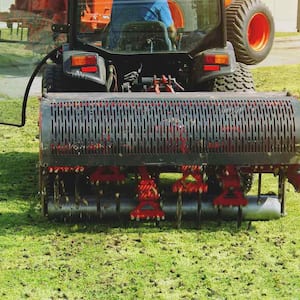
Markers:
{"x": 29, "y": 84}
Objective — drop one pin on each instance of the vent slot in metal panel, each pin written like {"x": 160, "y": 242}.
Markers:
{"x": 156, "y": 126}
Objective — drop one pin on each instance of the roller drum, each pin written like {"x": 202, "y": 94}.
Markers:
{"x": 267, "y": 208}
{"x": 131, "y": 129}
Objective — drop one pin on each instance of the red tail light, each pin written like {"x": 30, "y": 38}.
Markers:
{"x": 91, "y": 69}
{"x": 211, "y": 68}
{"x": 213, "y": 62}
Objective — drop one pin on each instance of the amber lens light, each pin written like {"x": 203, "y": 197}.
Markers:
{"x": 227, "y": 2}
{"x": 216, "y": 59}
{"x": 84, "y": 60}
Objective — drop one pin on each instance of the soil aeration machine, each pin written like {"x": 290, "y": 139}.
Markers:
{"x": 149, "y": 129}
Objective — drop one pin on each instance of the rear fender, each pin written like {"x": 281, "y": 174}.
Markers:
{"x": 86, "y": 71}
{"x": 201, "y": 75}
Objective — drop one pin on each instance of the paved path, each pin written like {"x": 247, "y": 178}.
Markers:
{"x": 285, "y": 51}
{"x": 15, "y": 86}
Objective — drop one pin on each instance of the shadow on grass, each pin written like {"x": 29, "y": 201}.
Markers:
{"x": 29, "y": 221}
{"x": 18, "y": 175}
{"x": 28, "y": 224}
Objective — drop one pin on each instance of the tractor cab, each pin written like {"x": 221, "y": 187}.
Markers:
{"x": 131, "y": 42}
{"x": 145, "y": 26}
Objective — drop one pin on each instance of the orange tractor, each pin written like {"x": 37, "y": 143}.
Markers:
{"x": 250, "y": 25}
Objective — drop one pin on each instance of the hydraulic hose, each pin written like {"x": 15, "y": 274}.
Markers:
{"x": 29, "y": 84}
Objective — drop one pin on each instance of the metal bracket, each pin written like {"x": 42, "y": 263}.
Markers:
{"x": 60, "y": 28}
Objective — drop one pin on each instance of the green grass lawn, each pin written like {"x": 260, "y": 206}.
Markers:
{"x": 279, "y": 78}
{"x": 42, "y": 259}
{"x": 286, "y": 34}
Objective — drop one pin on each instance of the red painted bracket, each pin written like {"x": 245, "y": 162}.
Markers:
{"x": 232, "y": 194}
{"x": 184, "y": 186}
{"x": 147, "y": 210}
{"x": 66, "y": 169}
{"x": 148, "y": 196}
{"x": 107, "y": 174}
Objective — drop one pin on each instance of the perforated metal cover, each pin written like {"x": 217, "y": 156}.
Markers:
{"x": 135, "y": 128}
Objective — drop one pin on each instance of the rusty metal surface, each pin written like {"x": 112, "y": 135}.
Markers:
{"x": 169, "y": 129}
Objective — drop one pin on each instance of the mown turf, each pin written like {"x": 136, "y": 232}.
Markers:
{"x": 279, "y": 78}
{"x": 42, "y": 259}
{"x": 286, "y": 34}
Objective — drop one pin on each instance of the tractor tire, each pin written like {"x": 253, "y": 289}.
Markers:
{"x": 250, "y": 29}
{"x": 240, "y": 80}
{"x": 53, "y": 79}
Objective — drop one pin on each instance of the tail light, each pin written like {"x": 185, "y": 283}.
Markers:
{"x": 213, "y": 62}
{"x": 86, "y": 63}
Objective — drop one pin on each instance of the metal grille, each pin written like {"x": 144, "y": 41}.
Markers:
{"x": 161, "y": 126}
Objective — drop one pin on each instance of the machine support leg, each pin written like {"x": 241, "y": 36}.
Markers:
{"x": 281, "y": 191}
{"x": 259, "y": 187}
{"x": 99, "y": 196}
{"x": 249, "y": 225}
{"x": 179, "y": 210}
{"x": 239, "y": 217}
{"x": 56, "y": 190}
{"x": 199, "y": 209}
{"x": 43, "y": 191}
{"x": 76, "y": 192}
{"x": 219, "y": 216}
{"x": 118, "y": 205}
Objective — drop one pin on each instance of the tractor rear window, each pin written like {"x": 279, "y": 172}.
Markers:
{"x": 127, "y": 26}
